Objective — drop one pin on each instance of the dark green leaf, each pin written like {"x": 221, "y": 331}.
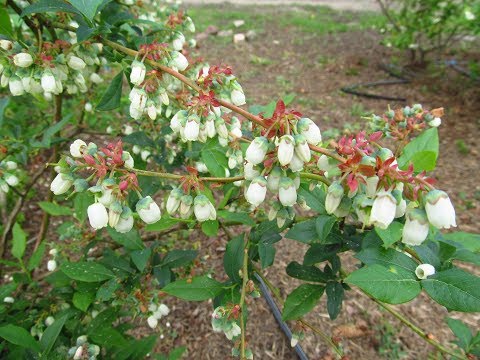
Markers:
{"x": 236, "y": 217}
{"x": 302, "y": 300}
{"x": 393, "y": 285}
{"x": 267, "y": 254}
{"x": 305, "y": 232}
{"x": 324, "y": 225}
{"x": 108, "y": 337}
{"x": 233, "y": 258}
{"x": 390, "y": 235}
{"x": 49, "y": 132}
{"x": 19, "y": 241}
{"x": 196, "y": 289}
{"x": 307, "y": 273}
{"x": 315, "y": 199}
{"x": 81, "y": 203}
{"x": 111, "y": 99}
{"x": 213, "y": 155}
{"x": 4, "y": 101}
{"x": 164, "y": 224}
{"x": 50, "y": 335}
{"x": 82, "y": 300}
{"x": 130, "y": 240}
{"x": 87, "y": 7}
{"x": 335, "y": 293}
{"x": 5, "y": 25}
{"x": 140, "y": 258}
{"x": 19, "y": 336}
{"x": 210, "y": 227}
{"x": 36, "y": 257}
{"x": 86, "y": 271}
{"x": 107, "y": 290}
{"x": 139, "y": 138}
{"x": 54, "y": 209}
{"x": 455, "y": 289}
{"x": 176, "y": 258}
{"x": 387, "y": 258}
{"x": 461, "y": 331}
{"x": 318, "y": 253}
{"x": 44, "y": 6}
{"x": 467, "y": 240}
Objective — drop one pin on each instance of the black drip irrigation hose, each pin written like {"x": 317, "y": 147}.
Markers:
{"x": 403, "y": 77}
{"x": 278, "y": 316}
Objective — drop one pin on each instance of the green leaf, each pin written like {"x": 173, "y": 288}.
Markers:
{"x": 86, "y": 271}
{"x": 54, "y": 209}
{"x": 210, "y": 227}
{"x": 87, "y": 7}
{"x": 199, "y": 288}
{"x": 81, "y": 203}
{"x": 19, "y": 241}
{"x": 82, "y": 300}
{"x": 236, "y": 217}
{"x": 422, "y": 152}
{"x": 390, "y": 235}
{"x": 267, "y": 254}
{"x": 213, "y": 155}
{"x": 36, "y": 257}
{"x": 455, "y": 289}
{"x": 4, "y": 101}
{"x": 108, "y": 337}
{"x": 305, "y": 232}
{"x": 44, "y": 6}
{"x": 49, "y": 132}
{"x": 176, "y": 258}
{"x": 50, "y": 335}
{"x": 107, "y": 290}
{"x": 335, "y": 293}
{"x": 307, "y": 273}
{"x": 461, "y": 331}
{"x": 140, "y": 258}
{"x": 324, "y": 225}
{"x": 301, "y": 300}
{"x": 139, "y": 138}
{"x": 19, "y": 336}
{"x": 387, "y": 258}
{"x": 315, "y": 199}
{"x": 5, "y": 24}
{"x": 130, "y": 240}
{"x": 393, "y": 285}
{"x": 318, "y": 253}
{"x": 233, "y": 258}
{"x": 468, "y": 240}
{"x": 111, "y": 99}
{"x": 164, "y": 224}
{"x": 177, "y": 353}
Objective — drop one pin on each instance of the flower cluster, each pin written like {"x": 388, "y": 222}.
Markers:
{"x": 83, "y": 349}
{"x": 54, "y": 68}
{"x": 110, "y": 206}
{"x": 52, "y": 263}
{"x": 8, "y": 178}
{"x": 186, "y": 205}
{"x": 157, "y": 312}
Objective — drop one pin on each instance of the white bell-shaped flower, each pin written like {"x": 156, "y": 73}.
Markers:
{"x": 424, "y": 270}
{"x": 76, "y": 148}
{"x": 76, "y": 63}
{"x": 48, "y": 82}
{"x": 416, "y": 227}
{"x": 310, "y": 130}
{"x": 152, "y": 322}
{"x": 257, "y": 190}
{"x": 273, "y": 179}
{"x": 97, "y": 216}
{"x": 179, "y": 60}
{"x": 192, "y": 128}
{"x": 440, "y": 211}
{"x": 11, "y": 179}
{"x": 129, "y": 163}
{"x": 148, "y": 210}
{"x": 257, "y": 150}
{"x": 23, "y": 60}
{"x": 15, "y": 86}
{"x": 302, "y": 150}
{"x": 287, "y": 192}
{"x": 286, "y": 148}
{"x": 238, "y": 97}
{"x": 125, "y": 223}
{"x": 383, "y": 209}
{"x": 334, "y": 197}
{"x": 249, "y": 171}
{"x": 203, "y": 208}
{"x": 61, "y": 183}
{"x": 51, "y": 265}
{"x": 138, "y": 72}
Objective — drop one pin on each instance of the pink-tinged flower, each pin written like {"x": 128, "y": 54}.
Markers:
{"x": 440, "y": 211}
{"x": 383, "y": 209}
{"x": 416, "y": 227}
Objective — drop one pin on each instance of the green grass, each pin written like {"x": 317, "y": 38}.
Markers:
{"x": 312, "y": 19}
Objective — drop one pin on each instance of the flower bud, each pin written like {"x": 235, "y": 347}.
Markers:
{"x": 138, "y": 72}
{"x": 221, "y": 128}
{"x": 178, "y": 120}
{"x": 173, "y": 201}
{"x": 51, "y": 265}
{"x": 128, "y": 161}
{"x": 15, "y": 86}
{"x": 95, "y": 78}
{"x": 192, "y": 128}
{"x": 296, "y": 164}
{"x": 416, "y": 227}
{"x": 210, "y": 127}
{"x": 440, "y": 211}
{"x": 48, "y": 81}
{"x": 310, "y": 130}
{"x": 301, "y": 148}
{"x": 6, "y": 44}
{"x": 148, "y": 210}
{"x": 76, "y": 63}
{"x": 178, "y": 42}
{"x": 436, "y": 122}
{"x": 203, "y": 208}
{"x": 114, "y": 212}
{"x": 97, "y": 216}
{"x": 186, "y": 210}
{"x": 11, "y": 165}
{"x": 249, "y": 171}
{"x": 163, "y": 309}
{"x": 287, "y": 193}
{"x": 273, "y": 179}
{"x": 238, "y": 97}
{"x": 282, "y": 217}
{"x": 11, "y": 180}
{"x": 152, "y": 111}
{"x": 61, "y": 184}
{"x": 125, "y": 223}
{"x": 23, "y": 60}
{"x": 256, "y": 191}
{"x": 257, "y": 150}
{"x": 424, "y": 270}
{"x": 179, "y": 60}
{"x": 144, "y": 154}
{"x": 286, "y": 148}
{"x": 383, "y": 209}
{"x": 334, "y": 197}
{"x": 8, "y": 300}
{"x": 49, "y": 320}
{"x": 371, "y": 184}
{"x": 77, "y": 147}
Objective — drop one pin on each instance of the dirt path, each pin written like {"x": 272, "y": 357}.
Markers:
{"x": 354, "y": 5}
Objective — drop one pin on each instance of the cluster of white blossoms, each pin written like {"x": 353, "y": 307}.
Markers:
{"x": 157, "y": 312}
{"x": 8, "y": 178}
{"x": 83, "y": 349}
{"x": 186, "y": 205}
{"x": 57, "y": 68}
{"x": 275, "y": 164}
{"x": 193, "y": 127}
